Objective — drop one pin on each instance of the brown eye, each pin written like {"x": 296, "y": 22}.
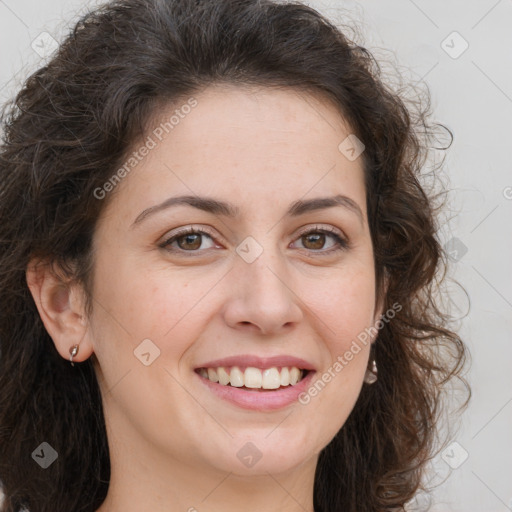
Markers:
{"x": 189, "y": 240}
{"x": 314, "y": 241}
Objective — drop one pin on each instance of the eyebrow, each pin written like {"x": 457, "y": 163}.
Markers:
{"x": 225, "y": 209}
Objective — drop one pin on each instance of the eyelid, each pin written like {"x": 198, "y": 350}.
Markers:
{"x": 191, "y": 228}
{"x": 318, "y": 227}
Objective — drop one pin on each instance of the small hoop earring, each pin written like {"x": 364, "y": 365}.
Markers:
{"x": 73, "y": 351}
{"x": 371, "y": 375}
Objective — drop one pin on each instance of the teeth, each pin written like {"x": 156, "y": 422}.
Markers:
{"x": 223, "y": 376}
{"x": 211, "y": 374}
{"x": 285, "y": 377}
{"x": 236, "y": 377}
{"x": 252, "y": 378}
{"x": 269, "y": 378}
{"x": 294, "y": 375}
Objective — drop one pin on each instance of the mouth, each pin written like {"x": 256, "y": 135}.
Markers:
{"x": 251, "y": 378}
{"x": 257, "y": 383}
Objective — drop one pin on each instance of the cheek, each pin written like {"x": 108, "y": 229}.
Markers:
{"x": 345, "y": 312}
{"x": 135, "y": 295}
{"x": 168, "y": 307}
{"x": 345, "y": 307}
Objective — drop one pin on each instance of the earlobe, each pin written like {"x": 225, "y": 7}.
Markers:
{"x": 61, "y": 308}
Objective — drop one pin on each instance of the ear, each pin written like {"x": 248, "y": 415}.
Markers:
{"x": 61, "y": 306}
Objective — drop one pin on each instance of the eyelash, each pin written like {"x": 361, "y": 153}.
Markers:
{"x": 342, "y": 243}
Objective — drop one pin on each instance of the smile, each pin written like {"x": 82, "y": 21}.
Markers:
{"x": 254, "y": 378}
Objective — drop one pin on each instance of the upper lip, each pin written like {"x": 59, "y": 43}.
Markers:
{"x": 259, "y": 362}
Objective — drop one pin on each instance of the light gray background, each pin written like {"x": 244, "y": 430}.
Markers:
{"x": 472, "y": 95}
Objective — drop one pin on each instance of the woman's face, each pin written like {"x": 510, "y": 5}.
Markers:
{"x": 269, "y": 279}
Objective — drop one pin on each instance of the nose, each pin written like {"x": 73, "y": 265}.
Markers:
{"x": 261, "y": 297}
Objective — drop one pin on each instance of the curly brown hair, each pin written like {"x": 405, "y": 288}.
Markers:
{"x": 72, "y": 124}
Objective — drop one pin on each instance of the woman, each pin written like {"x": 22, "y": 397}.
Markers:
{"x": 218, "y": 270}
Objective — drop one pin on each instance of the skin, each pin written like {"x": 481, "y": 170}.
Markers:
{"x": 173, "y": 444}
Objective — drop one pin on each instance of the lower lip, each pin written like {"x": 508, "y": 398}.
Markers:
{"x": 267, "y": 400}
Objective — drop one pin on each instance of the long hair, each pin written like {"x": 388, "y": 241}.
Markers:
{"x": 71, "y": 126}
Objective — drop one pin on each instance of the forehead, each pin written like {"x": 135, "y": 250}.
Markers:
{"x": 249, "y": 143}
{"x": 242, "y": 117}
